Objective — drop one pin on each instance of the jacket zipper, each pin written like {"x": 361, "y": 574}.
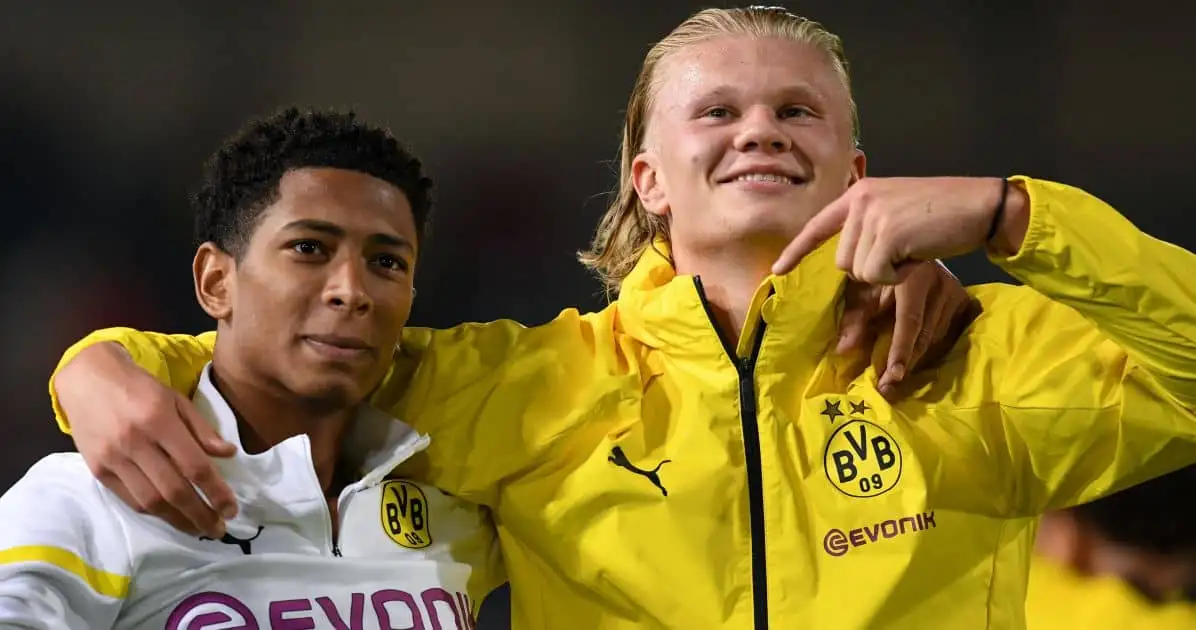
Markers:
{"x": 333, "y": 545}
{"x": 751, "y": 454}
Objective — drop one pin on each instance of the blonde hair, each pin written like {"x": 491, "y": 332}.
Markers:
{"x": 626, "y": 229}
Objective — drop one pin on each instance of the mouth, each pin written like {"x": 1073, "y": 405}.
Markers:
{"x": 769, "y": 178}
{"x": 765, "y": 177}
{"x": 337, "y": 347}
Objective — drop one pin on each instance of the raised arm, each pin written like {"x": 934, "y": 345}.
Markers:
{"x": 1128, "y": 399}
{"x": 125, "y": 392}
{"x": 1079, "y": 384}
{"x": 1080, "y": 252}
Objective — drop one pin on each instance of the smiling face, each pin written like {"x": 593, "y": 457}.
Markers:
{"x": 748, "y": 137}
{"x": 317, "y": 300}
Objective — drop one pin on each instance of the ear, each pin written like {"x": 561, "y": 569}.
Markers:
{"x": 213, "y": 271}
{"x": 645, "y": 176}
{"x": 859, "y": 167}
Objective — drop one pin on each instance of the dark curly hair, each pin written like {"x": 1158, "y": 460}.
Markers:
{"x": 241, "y": 178}
{"x": 1152, "y": 516}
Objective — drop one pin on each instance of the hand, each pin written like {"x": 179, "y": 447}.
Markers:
{"x": 926, "y": 310}
{"x": 887, "y": 224}
{"x": 145, "y": 442}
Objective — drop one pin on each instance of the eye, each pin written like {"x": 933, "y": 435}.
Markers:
{"x": 307, "y": 247}
{"x": 391, "y": 262}
{"x": 717, "y": 112}
{"x": 794, "y": 111}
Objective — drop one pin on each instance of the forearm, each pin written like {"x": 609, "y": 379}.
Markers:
{"x": 98, "y": 358}
{"x": 174, "y": 360}
{"x": 1080, "y": 252}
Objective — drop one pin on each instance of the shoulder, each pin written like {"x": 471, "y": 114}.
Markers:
{"x": 1023, "y": 350}
{"x": 1010, "y": 303}
{"x": 1014, "y": 315}
{"x": 568, "y": 323}
{"x": 58, "y": 508}
{"x": 570, "y": 338}
{"x": 56, "y": 479}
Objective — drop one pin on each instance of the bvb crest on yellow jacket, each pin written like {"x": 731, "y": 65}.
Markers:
{"x": 861, "y": 459}
{"x": 405, "y": 514}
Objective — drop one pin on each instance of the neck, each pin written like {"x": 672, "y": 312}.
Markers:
{"x": 267, "y": 415}
{"x": 730, "y": 277}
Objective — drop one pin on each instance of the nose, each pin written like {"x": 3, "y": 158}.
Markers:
{"x": 761, "y": 131}
{"x": 345, "y": 289}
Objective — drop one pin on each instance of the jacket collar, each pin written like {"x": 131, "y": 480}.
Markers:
{"x": 665, "y": 310}
{"x": 285, "y": 474}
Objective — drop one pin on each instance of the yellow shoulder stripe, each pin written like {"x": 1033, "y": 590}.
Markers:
{"x": 105, "y": 583}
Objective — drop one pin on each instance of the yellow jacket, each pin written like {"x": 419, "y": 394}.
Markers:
{"x": 643, "y": 475}
{"x": 1060, "y": 599}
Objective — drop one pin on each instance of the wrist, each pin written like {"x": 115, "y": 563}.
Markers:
{"x": 1011, "y": 220}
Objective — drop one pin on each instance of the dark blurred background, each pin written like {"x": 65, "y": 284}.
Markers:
{"x": 107, "y": 110}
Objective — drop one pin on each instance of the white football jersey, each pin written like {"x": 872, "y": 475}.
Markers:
{"x": 72, "y": 555}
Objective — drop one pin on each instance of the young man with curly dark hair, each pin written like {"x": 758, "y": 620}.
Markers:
{"x": 309, "y": 227}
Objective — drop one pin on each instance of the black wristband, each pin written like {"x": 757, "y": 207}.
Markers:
{"x": 999, "y": 212}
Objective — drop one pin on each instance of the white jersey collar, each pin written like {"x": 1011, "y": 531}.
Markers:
{"x": 285, "y": 473}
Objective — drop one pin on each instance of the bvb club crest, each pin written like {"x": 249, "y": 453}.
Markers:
{"x": 861, "y": 459}
{"x": 405, "y": 514}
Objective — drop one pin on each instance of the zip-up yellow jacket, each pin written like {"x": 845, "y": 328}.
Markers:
{"x": 643, "y": 474}
{"x": 1060, "y": 599}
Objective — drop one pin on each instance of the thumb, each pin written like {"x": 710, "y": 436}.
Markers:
{"x": 204, "y": 432}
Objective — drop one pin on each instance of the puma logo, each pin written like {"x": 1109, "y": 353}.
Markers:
{"x": 619, "y": 458}
{"x": 243, "y": 543}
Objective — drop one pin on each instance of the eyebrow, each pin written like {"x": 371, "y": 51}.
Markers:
{"x": 793, "y": 90}
{"x": 332, "y": 229}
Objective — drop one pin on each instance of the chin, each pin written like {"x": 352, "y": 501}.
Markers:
{"x": 332, "y": 393}
{"x": 768, "y": 228}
